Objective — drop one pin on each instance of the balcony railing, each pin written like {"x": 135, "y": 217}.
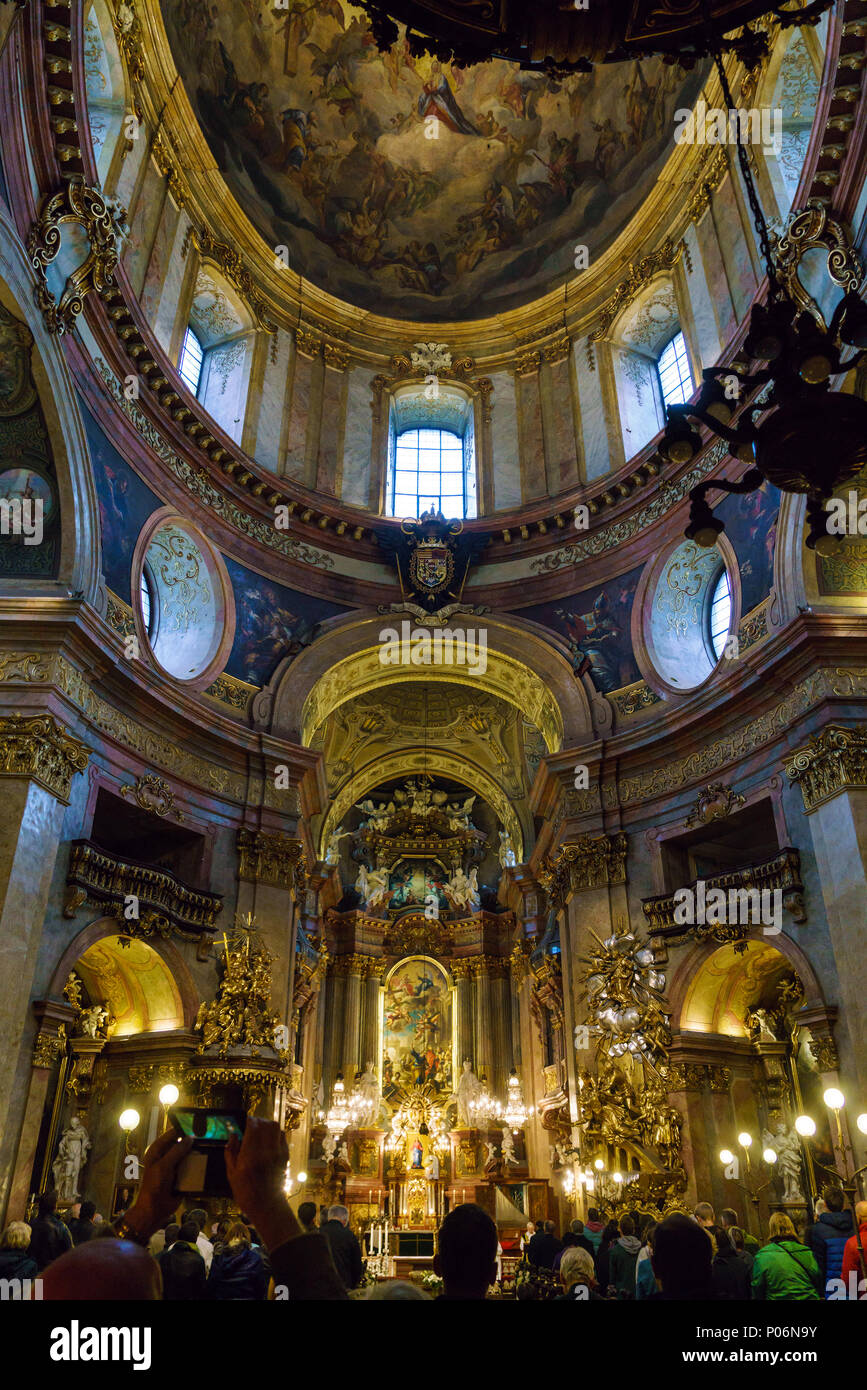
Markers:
{"x": 165, "y": 905}
{"x": 782, "y": 873}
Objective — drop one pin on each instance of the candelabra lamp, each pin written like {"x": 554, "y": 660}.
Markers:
{"x": 752, "y": 1182}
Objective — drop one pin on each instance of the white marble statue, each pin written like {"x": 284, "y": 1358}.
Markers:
{"x": 332, "y": 853}
{"x": 93, "y": 1021}
{"x": 508, "y": 859}
{"x": 464, "y": 890}
{"x": 787, "y": 1146}
{"x": 459, "y": 813}
{"x": 371, "y": 1100}
{"x": 372, "y": 884}
{"x": 433, "y": 1169}
{"x": 474, "y": 900}
{"x": 343, "y": 1153}
{"x": 469, "y": 1088}
{"x": 490, "y": 1153}
{"x": 507, "y": 1148}
{"x": 329, "y": 1145}
{"x": 71, "y": 1157}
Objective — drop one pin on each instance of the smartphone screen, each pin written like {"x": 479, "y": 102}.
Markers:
{"x": 203, "y": 1171}
{"x": 207, "y": 1126}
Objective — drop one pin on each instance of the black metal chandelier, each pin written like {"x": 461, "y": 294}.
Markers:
{"x": 809, "y": 439}
{"x": 563, "y": 36}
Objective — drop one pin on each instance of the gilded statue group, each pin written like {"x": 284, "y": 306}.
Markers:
{"x": 240, "y": 1016}
{"x": 612, "y": 1110}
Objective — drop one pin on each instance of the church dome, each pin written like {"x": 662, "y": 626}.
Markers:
{"x": 408, "y": 186}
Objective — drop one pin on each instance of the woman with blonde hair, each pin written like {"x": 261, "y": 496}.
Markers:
{"x": 16, "y": 1262}
{"x": 785, "y": 1268}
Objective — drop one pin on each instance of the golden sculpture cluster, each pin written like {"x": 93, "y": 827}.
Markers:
{"x": 613, "y": 1110}
{"x": 624, "y": 997}
{"x": 240, "y": 1016}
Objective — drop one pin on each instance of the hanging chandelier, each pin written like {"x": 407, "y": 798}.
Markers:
{"x": 515, "y": 1113}
{"x": 339, "y": 1117}
{"x": 809, "y": 439}
{"x": 560, "y": 37}
{"x": 484, "y": 1108}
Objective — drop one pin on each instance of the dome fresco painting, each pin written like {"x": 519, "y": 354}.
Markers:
{"x": 410, "y": 186}
{"x": 432, "y": 693}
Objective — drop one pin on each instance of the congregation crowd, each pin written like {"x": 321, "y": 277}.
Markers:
{"x": 685, "y": 1257}
{"x": 273, "y": 1252}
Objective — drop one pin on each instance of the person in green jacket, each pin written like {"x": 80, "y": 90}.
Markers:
{"x": 785, "y": 1268}
{"x": 622, "y": 1258}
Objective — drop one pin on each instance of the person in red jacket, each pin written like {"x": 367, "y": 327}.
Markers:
{"x": 851, "y": 1253}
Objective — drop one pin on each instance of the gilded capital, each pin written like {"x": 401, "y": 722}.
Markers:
{"x": 49, "y": 1046}
{"x": 824, "y": 1051}
{"x": 36, "y": 746}
{"x": 592, "y": 861}
{"x": 277, "y": 860}
{"x": 833, "y": 761}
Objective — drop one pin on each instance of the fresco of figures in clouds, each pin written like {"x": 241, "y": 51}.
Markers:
{"x": 326, "y": 143}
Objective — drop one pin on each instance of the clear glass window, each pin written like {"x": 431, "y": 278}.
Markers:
{"x": 720, "y": 613}
{"x": 430, "y": 470}
{"x": 675, "y": 377}
{"x": 190, "y": 365}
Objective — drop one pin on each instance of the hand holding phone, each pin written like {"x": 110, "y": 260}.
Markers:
{"x": 203, "y": 1172}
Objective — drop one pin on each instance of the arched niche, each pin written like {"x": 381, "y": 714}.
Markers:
{"x": 713, "y": 986}
{"x": 636, "y": 340}
{"x": 105, "y": 90}
{"x": 411, "y": 762}
{"x": 226, "y": 330}
{"x": 522, "y": 668}
{"x": 791, "y": 88}
{"x": 433, "y": 404}
{"x": 77, "y": 568}
{"x": 146, "y": 984}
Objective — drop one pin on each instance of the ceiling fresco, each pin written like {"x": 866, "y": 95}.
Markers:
{"x": 410, "y": 187}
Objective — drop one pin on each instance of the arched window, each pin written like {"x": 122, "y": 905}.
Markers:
{"x": 719, "y": 613}
{"x": 428, "y": 472}
{"x": 216, "y": 353}
{"x": 675, "y": 377}
{"x": 190, "y": 365}
{"x": 148, "y": 602}
{"x": 106, "y": 92}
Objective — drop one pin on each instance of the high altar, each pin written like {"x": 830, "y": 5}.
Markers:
{"x": 422, "y": 973}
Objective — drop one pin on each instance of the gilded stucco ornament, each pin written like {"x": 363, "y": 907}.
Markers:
{"x": 153, "y": 793}
{"x": 240, "y": 1021}
{"x": 36, "y": 746}
{"x": 834, "y": 760}
{"x": 716, "y": 801}
{"x": 103, "y": 223}
{"x": 277, "y": 860}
